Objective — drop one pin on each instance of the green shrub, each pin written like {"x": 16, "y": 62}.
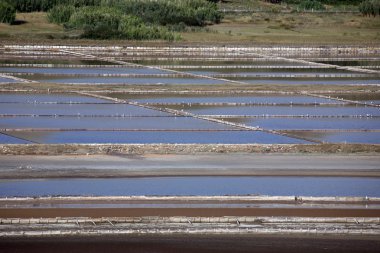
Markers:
{"x": 7, "y": 13}
{"x": 60, "y": 14}
{"x": 330, "y": 2}
{"x": 45, "y": 5}
{"x": 110, "y": 23}
{"x": 370, "y": 8}
{"x": 311, "y": 5}
{"x": 92, "y": 16}
{"x": 190, "y": 12}
{"x": 133, "y": 28}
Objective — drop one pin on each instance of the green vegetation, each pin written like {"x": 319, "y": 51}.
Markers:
{"x": 45, "y": 5}
{"x": 111, "y": 23}
{"x": 138, "y": 20}
{"x": 262, "y": 27}
{"x": 370, "y": 8}
{"x": 311, "y": 5}
{"x": 60, "y": 14}
{"x": 329, "y": 2}
{"x": 189, "y": 12}
{"x": 7, "y": 13}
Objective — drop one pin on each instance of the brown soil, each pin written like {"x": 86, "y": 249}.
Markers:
{"x": 192, "y": 243}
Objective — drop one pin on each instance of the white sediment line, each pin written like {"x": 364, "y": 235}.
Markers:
{"x": 22, "y": 80}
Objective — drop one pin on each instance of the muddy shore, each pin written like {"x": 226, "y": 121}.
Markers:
{"x": 204, "y": 164}
{"x": 116, "y": 149}
{"x": 193, "y": 243}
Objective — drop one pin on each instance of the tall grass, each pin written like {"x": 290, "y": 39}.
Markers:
{"x": 370, "y": 8}
{"x": 7, "y": 12}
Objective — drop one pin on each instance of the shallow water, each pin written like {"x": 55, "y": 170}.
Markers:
{"x": 41, "y": 60}
{"x": 224, "y": 99}
{"x": 344, "y": 137}
{"x": 352, "y": 63}
{"x": 65, "y": 71}
{"x": 204, "y": 186}
{"x": 78, "y": 109}
{"x": 216, "y": 62}
{"x": 6, "y": 139}
{"x": 322, "y": 81}
{"x": 173, "y": 137}
{"x": 282, "y": 110}
{"x": 7, "y": 80}
{"x": 123, "y": 80}
{"x": 312, "y": 123}
{"x": 109, "y": 123}
{"x": 271, "y": 72}
{"x": 44, "y": 98}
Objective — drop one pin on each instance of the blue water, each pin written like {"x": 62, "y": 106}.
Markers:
{"x": 208, "y": 62}
{"x": 121, "y": 80}
{"x": 283, "y": 110}
{"x": 109, "y": 123}
{"x": 77, "y": 109}
{"x": 198, "y": 137}
{"x": 204, "y": 186}
{"x": 6, "y": 80}
{"x": 278, "y": 73}
{"x": 322, "y": 81}
{"x": 351, "y": 137}
{"x": 43, "y": 98}
{"x": 314, "y": 123}
{"x": 231, "y": 99}
{"x": 65, "y": 71}
{"x": 6, "y": 139}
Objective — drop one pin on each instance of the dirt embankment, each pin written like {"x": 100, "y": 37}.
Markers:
{"x": 93, "y": 149}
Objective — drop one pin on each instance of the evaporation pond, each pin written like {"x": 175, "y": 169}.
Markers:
{"x": 174, "y": 63}
{"x": 321, "y": 81}
{"x": 311, "y": 123}
{"x": 199, "y": 186}
{"x": 54, "y": 61}
{"x": 272, "y": 72}
{"x": 47, "y": 98}
{"x": 343, "y": 137}
{"x": 141, "y": 137}
{"x": 84, "y": 70}
{"x": 281, "y": 110}
{"x": 7, "y": 80}
{"x": 78, "y": 109}
{"x": 137, "y": 123}
{"x": 259, "y": 99}
{"x": 7, "y": 139}
{"x": 123, "y": 80}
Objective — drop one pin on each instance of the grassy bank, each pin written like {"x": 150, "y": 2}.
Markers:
{"x": 258, "y": 28}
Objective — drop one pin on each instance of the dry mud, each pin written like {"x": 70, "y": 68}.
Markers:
{"x": 92, "y": 149}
